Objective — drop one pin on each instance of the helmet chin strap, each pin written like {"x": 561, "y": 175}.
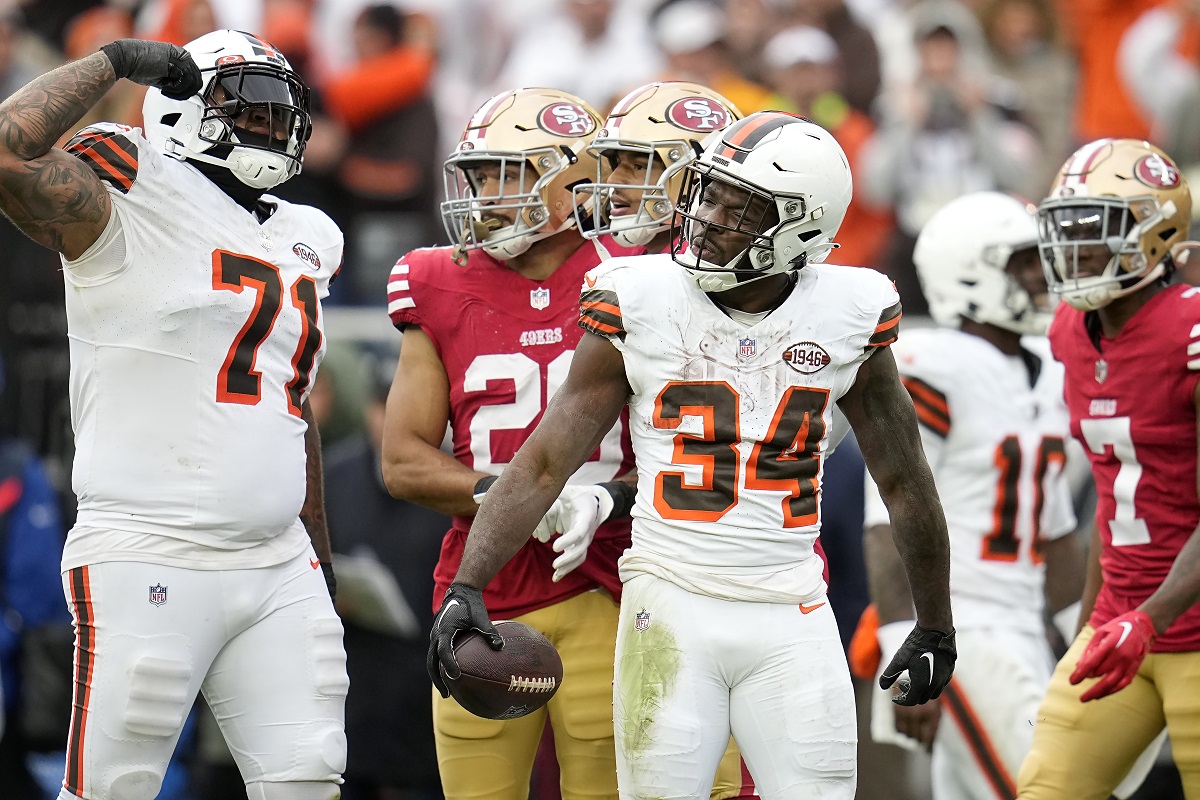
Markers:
{"x": 245, "y": 196}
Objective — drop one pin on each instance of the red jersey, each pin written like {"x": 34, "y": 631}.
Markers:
{"x": 506, "y": 343}
{"x": 1132, "y": 408}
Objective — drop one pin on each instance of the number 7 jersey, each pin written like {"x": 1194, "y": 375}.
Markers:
{"x": 1132, "y": 407}
{"x": 730, "y": 422}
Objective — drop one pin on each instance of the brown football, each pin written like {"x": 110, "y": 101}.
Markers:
{"x": 508, "y": 683}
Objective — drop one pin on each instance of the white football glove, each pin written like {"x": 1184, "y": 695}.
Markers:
{"x": 576, "y": 514}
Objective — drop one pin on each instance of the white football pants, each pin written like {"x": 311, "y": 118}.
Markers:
{"x": 691, "y": 668}
{"x": 264, "y": 646}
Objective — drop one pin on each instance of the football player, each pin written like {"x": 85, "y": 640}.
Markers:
{"x": 489, "y": 332}
{"x": 642, "y": 152}
{"x": 193, "y": 310}
{"x": 993, "y": 424}
{"x": 1110, "y": 230}
{"x": 730, "y": 351}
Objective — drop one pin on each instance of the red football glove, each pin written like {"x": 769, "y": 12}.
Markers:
{"x": 1114, "y": 654}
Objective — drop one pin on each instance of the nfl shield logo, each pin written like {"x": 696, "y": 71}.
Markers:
{"x": 158, "y": 595}
{"x": 539, "y": 298}
{"x": 1101, "y": 371}
{"x": 641, "y": 620}
{"x": 746, "y": 348}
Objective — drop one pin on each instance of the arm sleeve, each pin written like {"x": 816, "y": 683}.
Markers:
{"x": 105, "y": 259}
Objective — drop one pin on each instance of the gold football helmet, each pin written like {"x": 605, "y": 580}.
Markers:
{"x": 1115, "y": 211}
{"x": 509, "y": 182}
{"x": 663, "y": 123}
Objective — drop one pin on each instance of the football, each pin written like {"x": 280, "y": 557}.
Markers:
{"x": 507, "y": 683}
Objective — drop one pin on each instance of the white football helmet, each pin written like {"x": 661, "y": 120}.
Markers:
{"x": 541, "y": 135}
{"x": 961, "y": 257}
{"x": 243, "y": 75}
{"x": 667, "y": 121}
{"x": 792, "y": 164}
{"x": 1116, "y": 210}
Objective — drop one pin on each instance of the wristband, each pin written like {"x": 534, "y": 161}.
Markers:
{"x": 623, "y": 495}
{"x": 481, "y": 487}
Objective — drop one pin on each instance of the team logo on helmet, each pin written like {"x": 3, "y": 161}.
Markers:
{"x": 697, "y": 114}
{"x": 225, "y": 61}
{"x": 1157, "y": 171}
{"x": 566, "y": 119}
{"x": 806, "y": 357}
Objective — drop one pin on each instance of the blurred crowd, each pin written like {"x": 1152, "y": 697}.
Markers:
{"x": 930, "y": 99}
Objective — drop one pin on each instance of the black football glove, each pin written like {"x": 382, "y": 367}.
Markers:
{"x": 166, "y": 66}
{"x": 929, "y": 657}
{"x": 462, "y": 610}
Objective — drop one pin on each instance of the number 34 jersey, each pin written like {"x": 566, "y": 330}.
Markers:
{"x": 993, "y": 427}
{"x": 1133, "y": 409}
{"x": 190, "y": 359}
{"x": 730, "y": 422}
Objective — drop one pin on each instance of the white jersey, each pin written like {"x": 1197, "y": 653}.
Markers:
{"x": 189, "y": 363}
{"x": 730, "y": 422}
{"x": 995, "y": 445}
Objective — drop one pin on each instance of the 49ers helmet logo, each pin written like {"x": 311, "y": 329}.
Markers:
{"x": 697, "y": 114}
{"x": 566, "y": 119}
{"x": 1157, "y": 171}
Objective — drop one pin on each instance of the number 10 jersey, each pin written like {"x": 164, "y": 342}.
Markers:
{"x": 730, "y": 422}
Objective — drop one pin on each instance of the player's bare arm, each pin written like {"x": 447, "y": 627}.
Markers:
{"x": 312, "y": 513}
{"x": 1093, "y": 578}
{"x": 1065, "y": 571}
{"x": 577, "y": 418}
{"x": 418, "y": 409}
{"x": 888, "y": 584}
{"x": 51, "y": 196}
{"x": 881, "y": 413}
{"x": 54, "y": 198}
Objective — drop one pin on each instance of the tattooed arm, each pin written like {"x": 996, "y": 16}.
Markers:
{"x": 53, "y": 197}
{"x": 883, "y": 418}
{"x": 312, "y": 513}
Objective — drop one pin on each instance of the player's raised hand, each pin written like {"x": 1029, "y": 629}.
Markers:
{"x": 1114, "y": 654}
{"x": 166, "y": 66}
{"x": 929, "y": 657}
{"x": 462, "y": 610}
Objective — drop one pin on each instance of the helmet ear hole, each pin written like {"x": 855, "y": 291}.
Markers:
{"x": 170, "y": 119}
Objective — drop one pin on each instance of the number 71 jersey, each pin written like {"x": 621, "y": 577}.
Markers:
{"x": 190, "y": 362}
{"x": 730, "y": 421}
{"x": 1132, "y": 407}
